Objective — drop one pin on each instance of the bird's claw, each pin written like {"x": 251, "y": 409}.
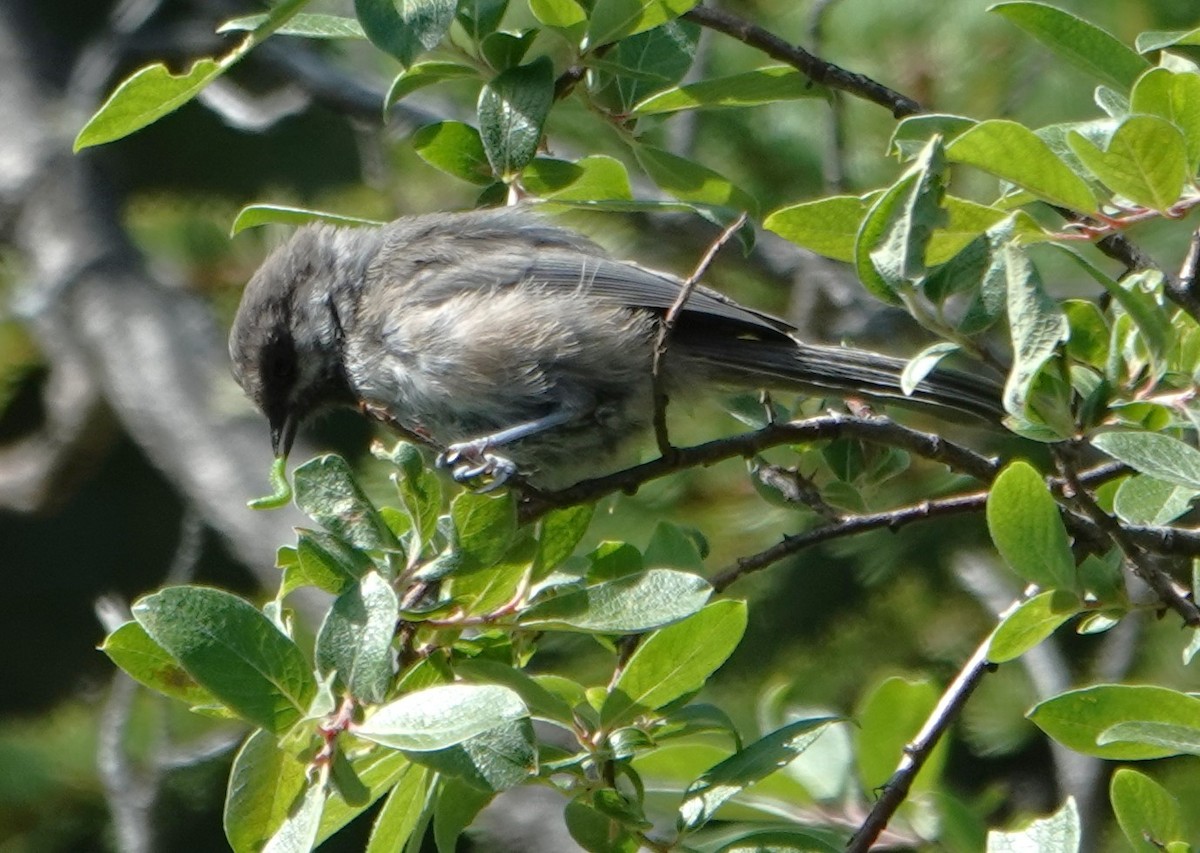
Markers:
{"x": 471, "y": 459}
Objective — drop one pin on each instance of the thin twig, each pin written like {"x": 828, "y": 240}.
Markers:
{"x": 536, "y": 503}
{"x": 892, "y": 519}
{"x": 917, "y": 752}
{"x": 818, "y": 70}
{"x": 1143, "y": 564}
{"x": 668, "y": 325}
{"x": 1183, "y": 291}
{"x": 834, "y": 163}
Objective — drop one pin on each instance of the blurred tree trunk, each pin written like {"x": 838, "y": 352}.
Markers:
{"x": 120, "y": 346}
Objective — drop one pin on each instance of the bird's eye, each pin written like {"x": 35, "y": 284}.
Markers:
{"x": 279, "y": 362}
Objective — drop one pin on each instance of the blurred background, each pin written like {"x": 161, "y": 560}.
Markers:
{"x": 127, "y": 452}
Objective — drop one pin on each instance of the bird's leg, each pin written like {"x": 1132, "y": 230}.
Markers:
{"x": 470, "y": 459}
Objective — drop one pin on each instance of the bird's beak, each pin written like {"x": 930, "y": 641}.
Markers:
{"x": 283, "y": 433}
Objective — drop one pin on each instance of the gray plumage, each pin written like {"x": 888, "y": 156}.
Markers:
{"x": 516, "y": 344}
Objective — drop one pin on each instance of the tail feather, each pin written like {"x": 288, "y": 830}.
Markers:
{"x": 845, "y": 372}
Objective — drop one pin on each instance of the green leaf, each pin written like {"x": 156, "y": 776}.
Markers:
{"x": 596, "y": 177}
{"x": 827, "y": 226}
{"x": 143, "y": 98}
{"x": 456, "y": 149}
{"x": 643, "y": 64}
{"x": 326, "y": 562}
{"x": 923, "y": 363}
{"x": 890, "y": 717}
{"x": 345, "y": 781}
{"x": 742, "y": 769}
{"x": 1146, "y": 161}
{"x": 697, "y": 718}
{"x": 672, "y": 546}
{"x": 327, "y": 491}
{"x": 232, "y": 650}
{"x": 405, "y": 28}
{"x": 626, "y": 605}
{"x": 480, "y": 593}
{"x": 560, "y": 14}
{"x": 512, "y": 110}
{"x": 457, "y": 806}
{"x": 298, "y": 832}
{"x": 144, "y": 660}
{"x": 254, "y": 215}
{"x": 611, "y": 560}
{"x": 559, "y": 532}
{"x": 1148, "y": 815}
{"x": 1014, "y": 153}
{"x": 1179, "y": 103}
{"x": 889, "y": 252}
{"x": 750, "y": 88}
{"x": 480, "y": 17}
{"x": 420, "y": 492}
{"x": 784, "y": 840}
{"x": 1027, "y": 529}
{"x": 153, "y": 91}
{"x": 1137, "y": 294}
{"x": 422, "y": 74}
{"x": 616, "y": 19}
{"x": 305, "y": 25}
{"x": 1149, "y": 501}
{"x": 913, "y": 133}
{"x": 1161, "y": 456}
{"x": 506, "y": 50}
{"x": 1058, "y": 833}
{"x": 1090, "y": 333}
{"x": 689, "y": 181}
{"x": 1087, "y": 46}
{"x": 437, "y": 717}
{"x": 264, "y": 784}
{"x": 1036, "y": 323}
{"x": 1157, "y": 40}
{"x": 674, "y": 661}
{"x": 379, "y": 769}
{"x": 966, "y": 221}
{"x": 493, "y": 760}
{"x": 1032, "y": 622}
{"x": 597, "y": 831}
{"x": 1180, "y": 739}
{"x": 401, "y": 812}
{"x": 540, "y": 701}
{"x": 1078, "y": 718}
{"x": 355, "y": 640}
{"x": 484, "y": 527}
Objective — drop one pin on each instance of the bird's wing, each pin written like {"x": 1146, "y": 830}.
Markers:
{"x": 634, "y": 286}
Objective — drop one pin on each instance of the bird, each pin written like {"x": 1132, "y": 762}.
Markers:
{"x": 514, "y": 344}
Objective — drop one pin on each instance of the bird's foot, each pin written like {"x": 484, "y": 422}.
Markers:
{"x": 469, "y": 460}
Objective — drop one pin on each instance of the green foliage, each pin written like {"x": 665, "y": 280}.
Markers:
{"x": 1058, "y": 833}
{"x": 366, "y": 717}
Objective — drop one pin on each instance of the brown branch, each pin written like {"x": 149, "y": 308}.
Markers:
{"x": 536, "y": 503}
{"x": 896, "y": 518}
{"x": 892, "y": 519}
{"x": 818, "y": 70}
{"x": 917, "y": 752}
{"x": 1143, "y": 564}
{"x": 668, "y": 325}
{"x": 1184, "y": 291}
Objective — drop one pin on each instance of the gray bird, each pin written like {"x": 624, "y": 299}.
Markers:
{"x": 513, "y": 344}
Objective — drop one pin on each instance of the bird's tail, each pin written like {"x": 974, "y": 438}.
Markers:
{"x": 842, "y": 371}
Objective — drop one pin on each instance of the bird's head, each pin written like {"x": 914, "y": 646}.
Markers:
{"x": 286, "y": 340}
